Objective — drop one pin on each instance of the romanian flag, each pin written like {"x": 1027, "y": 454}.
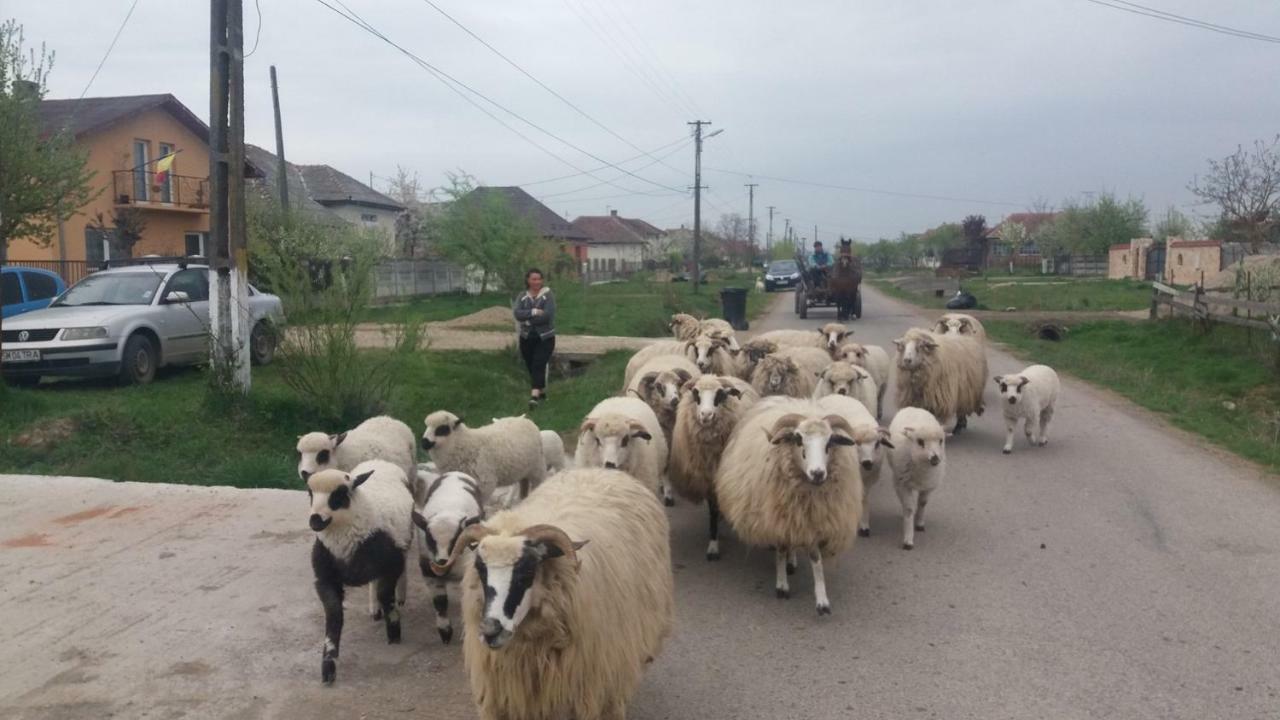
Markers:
{"x": 162, "y": 169}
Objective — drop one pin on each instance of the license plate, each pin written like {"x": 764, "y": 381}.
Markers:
{"x": 18, "y": 356}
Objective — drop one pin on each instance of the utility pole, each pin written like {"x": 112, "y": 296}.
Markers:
{"x": 229, "y": 309}
{"x": 815, "y": 232}
{"x": 282, "y": 181}
{"x": 751, "y": 216}
{"x": 768, "y": 239}
{"x": 697, "y": 201}
{"x": 786, "y": 232}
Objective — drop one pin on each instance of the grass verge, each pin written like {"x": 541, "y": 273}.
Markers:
{"x": 1211, "y": 384}
{"x": 1038, "y": 293}
{"x": 166, "y": 432}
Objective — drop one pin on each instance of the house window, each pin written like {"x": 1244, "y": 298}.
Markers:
{"x": 1179, "y": 258}
{"x": 195, "y": 243}
{"x": 368, "y": 218}
{"x": 613, "y": 264}
{"x": 166, "y": 188}
{"x": 141, "y": 154}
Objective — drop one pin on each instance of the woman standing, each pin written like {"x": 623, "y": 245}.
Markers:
{"x": 535, "y": 311}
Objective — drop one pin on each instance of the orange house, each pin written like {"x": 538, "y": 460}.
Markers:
{"x": 124, "y": 136}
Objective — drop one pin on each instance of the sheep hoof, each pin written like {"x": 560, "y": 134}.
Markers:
{"x": 713, "y": 556}
{"x": 824, "y": 609}
{"x": 669, "y": 501}
{"x": 376, "y": 615}
{"x": 393, "y": 634}
{"x": 864, "y": 532}
{"x": 920, "y": 528}
{"x": 782, "y": 594}
{"x": 446, "y": 635}
{"x": 328, "y": 671}
{"x": 791, "y": 569}
{"x": 907, "y": 546}
{"x": 1007, "y": 451}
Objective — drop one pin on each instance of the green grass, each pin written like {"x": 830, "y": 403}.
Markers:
{"x": 1040, "y": 293}
{"x": 637, "y": 307}
{"x": 165, "y": 432}
{"x": 1177, "y": 371}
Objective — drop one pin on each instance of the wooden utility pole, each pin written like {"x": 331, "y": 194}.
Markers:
{"x": 697, "y": 201}
{"x": 229, "y": 310}
{"x": 751, "y": 217}
{"x": 282, "y": 179}
{"x": 768, "y": 239}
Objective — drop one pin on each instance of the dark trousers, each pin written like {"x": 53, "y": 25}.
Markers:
{"x": 537, "y": 355}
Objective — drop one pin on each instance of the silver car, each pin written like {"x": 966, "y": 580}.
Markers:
{"x": 126, "y": 322}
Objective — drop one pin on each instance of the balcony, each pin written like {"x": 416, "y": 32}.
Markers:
{"x": 179, "y": 193}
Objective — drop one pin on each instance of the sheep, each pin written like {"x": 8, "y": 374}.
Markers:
{"x": 452, "y": 505}
{"x": 918, "y": 459}
{"x": 1030, "y": 396}
{"x": 709, "y": 409}
{"x": 843, "y": 378}
{"x": 870, "y": 440}
{"x": 959, "y": 324}
{"x": 811, "y": 360}
{"x": 876, "y": 361}
{"x": 553, "y": 451}
{"x": 658, "y": 383}
{"x": 649, "y": 352}
{"x": 622, "y": 433}
{"x": 944, "y": 374}
{"x": 378, "y": 438}
{"x": 796, "y": 488}
{"x": 777, "y": 374}
{"x": 717, "y": 328}
{"x": 505, "y": 452}
{"x": 713, "y": 355}
{"x": 363, "y": 530}
{"x": 684, "y": 327}
{"x": 834, "y": 335}
{"x": 555, "y": 629}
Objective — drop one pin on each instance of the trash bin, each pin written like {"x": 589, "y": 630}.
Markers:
{"x": 733, "y": 306}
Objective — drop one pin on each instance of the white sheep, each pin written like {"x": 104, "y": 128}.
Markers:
{"x": 918, "y": 459}
{"x": 684, "y": 326}
{"x": 811, "y": 360}
{"x": 834, "y": 335}
{"x": 553, "y": 451}
{"x": 789, "y": 479}
{"x": 777, "y": 374}
{"x": 877, "y": 362}
{"x": 1029, "y": 396}
{"x": 800, "y": 338}
{"x": 363, "y": 531}
{"x": 959, "y": 324}
{"x": 713, "y": 355}
{"x": 622, "y": 433}
{"x": 717, "y": 328}
{"x": 568, "y": 598}
{"x": 871, "y": 440}
{"x": 844, "y": 378}
{"x": 709, "y": 409}
{"x": 649, "y": 352}
{"x": 659, "y": 382}
{"x": 452, "y": 505}
{"x": 944, "y": 374}
{"x": 505, "y": 452}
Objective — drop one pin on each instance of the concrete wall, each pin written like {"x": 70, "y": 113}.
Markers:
{"x": 1185, "y": 260}
{"x": 383, "y": 223}
{"x": 625, "y": 257}
{"x": 1119, "y": 262}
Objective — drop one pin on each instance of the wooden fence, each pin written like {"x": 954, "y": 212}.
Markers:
{"x": 417, "y": 277}
{"x": 1206, "y": 309}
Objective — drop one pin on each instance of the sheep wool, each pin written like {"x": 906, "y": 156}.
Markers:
{"x": 553, "y": 451}
{"x": 1029, "y": 396}
{"x": 871, "y": 442}
{"x": 507, "y": 451}
{"x": 944, "y": 374}
{"x": 622, "y": 433}
{"x": 778, "y": 374}
{"x": 802, "y": 338}
{"x": 659, "y": 383}
{"x": 918, "y": 458}
{"x": 843, "y": 378}
{"x": 959, "y": 324}
{"x": 649, "y": 352}
{"x": 684, "y": 326}
{"x": 877, "y": 362}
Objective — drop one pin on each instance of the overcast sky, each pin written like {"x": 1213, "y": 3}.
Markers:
{"x": 997, "y": 102}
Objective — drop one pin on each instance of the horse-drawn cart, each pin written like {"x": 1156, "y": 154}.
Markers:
{"x": 837, "y": 287}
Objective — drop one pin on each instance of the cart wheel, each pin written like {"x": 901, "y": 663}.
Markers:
{"x": 799, "y": 296}
{"x": 802, "y": 305}
{"x": 857, "y": 305}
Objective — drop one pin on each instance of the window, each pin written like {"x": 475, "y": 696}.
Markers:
{"x": 613, "y": 264}
{"x": 1179, "y": 258}
{"x": 9, "y": 288}
{"x": 39, "y": 286}
{"x": 97, "y": 245}
{"x": 141, "y": 154}
{"x": 195, "y": 242}
{"x": 368, "y": 218}
{"x": 166, "y": 189}
{"x": 195, "y": 283}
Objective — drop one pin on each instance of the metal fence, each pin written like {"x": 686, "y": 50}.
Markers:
{"x": 1080, "y": 265}
{"x": 71, "y": 271}
{"x": 416, "y": 277}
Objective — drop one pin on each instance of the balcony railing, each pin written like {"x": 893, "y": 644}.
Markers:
{"x": 139, "y": 188}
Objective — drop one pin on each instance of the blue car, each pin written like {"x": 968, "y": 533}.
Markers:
{"x": 26, "y": 289}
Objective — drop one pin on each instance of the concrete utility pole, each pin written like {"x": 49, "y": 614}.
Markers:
{"x": 768, "y": 239}
{"x": 697, "y": 201}
{"x": 751, "y": 216}
{"x": 228, "y": 273}
{"x": 281, "y": 167}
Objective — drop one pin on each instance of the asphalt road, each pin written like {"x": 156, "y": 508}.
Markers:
{"x": 1124, "y": 571}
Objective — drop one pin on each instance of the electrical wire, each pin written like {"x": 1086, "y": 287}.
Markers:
{"x": 683, "y": 140}
{"x": 1136, "y": 9}
{"x": 642, "y": 167}
{"x": 874, "y": 191}
{"x": 110, "y": 47}
{"x": 645, "y": 53}
{"x": 257, "y": 35}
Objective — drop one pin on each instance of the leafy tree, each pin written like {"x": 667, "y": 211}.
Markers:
{"x": 881, "y": 255}
{"x": 1092, "y": 229}
{"x": 480, "y": 230}
{"x": 1246, "y": 187}
{"x": 1013, "y": 234}
{"x": 942, "y": 238}
{"x": 910, "y": 249}
{"x": 1173, "y": 224}
{"x": 974, "y": 228}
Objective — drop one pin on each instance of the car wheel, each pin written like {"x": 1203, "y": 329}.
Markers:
{"x": 138, "y": 364}
{"x": 262, "y": 344}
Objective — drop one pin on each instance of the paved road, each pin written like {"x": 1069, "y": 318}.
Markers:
{"x": 1122, "y": 572}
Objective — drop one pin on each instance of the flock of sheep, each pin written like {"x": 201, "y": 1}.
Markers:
{"x": 780, "y": 435}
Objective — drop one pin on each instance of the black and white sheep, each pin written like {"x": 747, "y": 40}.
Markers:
{"x": 507, "y": 451}
{"x": 918, "y": 459}
{"x": 659, "y": 383}
{"x": 1028, "y": 396}
{"x": 452, "y": 505}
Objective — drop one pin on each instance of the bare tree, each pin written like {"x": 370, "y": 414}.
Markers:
{"x": 1246, "y": 187}
{"x": 411, "y": 225}
{"x": 127, "y": 225}
{"x": 732, "y": 229}
{"x": 1013, "y": 234}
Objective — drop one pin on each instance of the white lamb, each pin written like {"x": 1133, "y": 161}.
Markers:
{"x": 1028, "y": 396}
{"x": 844, "y": 378}
{"x": 959, "y": 324}
{"x": 505, "y": 452}
{"x": 553, "y": 451}
{"x": 871, "y": 440}
{"x": 877, "y": 362}
{"x": 568, "y": 598}
{"x": 622, "y": 433}
{"x": 452, "y": 505}
{"x": 919, "y": 461}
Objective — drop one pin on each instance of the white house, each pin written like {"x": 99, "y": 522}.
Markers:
{"x": 616, "y": 246}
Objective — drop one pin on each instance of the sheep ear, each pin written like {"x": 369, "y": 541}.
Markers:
{"x": 841, "y": 440}
{"x": 999, "y": 379}
{"x": 899, "y": 343}
{"x": 928, "y": 344}
{"x": 648, "y": 379}
{"x": 587, "y": 426}
{"x": 733, "y": 391}
{"x": 1022, "y": 382}
{"x": 359, "y": 479}
{"x": 687, "y": 385}
{"x": 909, "y": 433}
{"x": 456, "y": 423}
{"x": 845, "y": 334}
{"x": 638, "y": 431}
{"x": 470, "y": 521}
{"x": 337, "y": 439}
{"x": 684, "y": 375}
{"x": 419, "y": 520}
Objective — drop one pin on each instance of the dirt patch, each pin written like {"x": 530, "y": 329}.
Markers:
{"x": 126, "y": 511}
{"x": 29, "y": 540}
{"x": 496, "y": 315}
{"x": 194, "y": 667}
{"x": 46, "y": 434}
{"x": 83, "y": 515}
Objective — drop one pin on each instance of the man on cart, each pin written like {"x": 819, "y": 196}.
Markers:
{"x": 820, "y": 263}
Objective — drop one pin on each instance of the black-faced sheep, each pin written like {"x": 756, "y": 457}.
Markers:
{"x": 505, "y": 452}
{"x": 919, "y": 461}
{"x": 871, "y": 441}
{"x": 1028, "y": 396}
{"x": 363, "y": 530}
{"x": 622, "y": 433}
{"x": 659, "y": 382}
{"x": 959, "y": 324}
{"x": 710, "y": 408}
{"x": 844, "y": 378}
{"x": 452, "y": 505}
{"x": 789, "y": 479}
{"x": 944, "y": 374}
{"x": 876, "y": 361}
{"x": 553, "y": 629}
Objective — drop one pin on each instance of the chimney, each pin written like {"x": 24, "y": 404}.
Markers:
{"x": 613, "y": 213}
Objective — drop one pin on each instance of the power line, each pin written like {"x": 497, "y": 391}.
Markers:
{"x": 683, "y": 141}
{"x": 450, "y": 82}
{"x": 257, "y": 35}
{"x": 642, "y": 167}
{"x": 875, "y": 191}
{"x": 110, "y": 47}
{"x": 1150, "y": 12}
{"x": 640, "y": 48}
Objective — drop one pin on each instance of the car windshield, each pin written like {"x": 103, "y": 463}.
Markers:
{"x": 782, "y": 268}
{"x": 135, "y": 288}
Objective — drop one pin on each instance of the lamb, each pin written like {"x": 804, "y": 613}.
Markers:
{"x": 622, "y": 433}
{"x": 505, "y": 452}
{"x": 709, "y": 409}
{"x": 802, "y": 338}
{"x": 944, "y": 374}
{"x": 552, "y": 628}
{"x": 876, "y": 361}
{"x": 363, "y": 530}
{"x": 1029, "y": 396}
{"x": 777, "y": 374}
{"x": 553, "y": 451}
{"x": 918, "y": 459}
{"x": 870, "y": 440}
{"x": 800, "y": 490}
{"x": 959, "y": 324}
{"x": 452, "y": 505}
{"x": 649, "y": 352}
{"x": 658, "y": 383}
{"x": 843, "y": 378}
